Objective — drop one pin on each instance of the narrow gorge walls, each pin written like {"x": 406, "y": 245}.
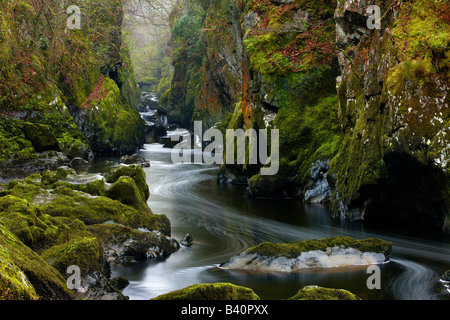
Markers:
{"x": 78, "y": 82}
{"x": 354, "y": 102}
{"x": 393, "y": 107}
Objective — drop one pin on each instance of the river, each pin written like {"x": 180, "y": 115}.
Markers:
{"x": 224, "y": 223}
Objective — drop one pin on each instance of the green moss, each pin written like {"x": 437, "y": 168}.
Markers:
{"x": 215, "y": 291}
{"x": 25, "y": 191}
{"x": 41, "y": 136}
{"x": 14, "y": 285}
{"x": 126, "y": 191}
{"x": 46, "y": 280}
{"x": 281, "y": 44}
{"x": 51, "y": 177}
{"x": 135, "y": 172}
{"x": 35, "y": 229}
{"x": 318, "y": 293}
{"x": 115, "y": 127}
{"x": 86, "y": 253}
{"x": 293, "y": 250}
{"x": 102, "y": 209}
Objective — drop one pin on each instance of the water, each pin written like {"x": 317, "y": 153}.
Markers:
{"x": 224, "y": 223}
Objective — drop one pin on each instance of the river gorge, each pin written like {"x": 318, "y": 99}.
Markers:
{"x": 223, "y": 222}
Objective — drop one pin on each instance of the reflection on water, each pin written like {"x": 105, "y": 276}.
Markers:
{"x": 224, "y": 223}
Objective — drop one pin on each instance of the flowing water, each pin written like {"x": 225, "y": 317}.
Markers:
{"x": 224, "y": 223}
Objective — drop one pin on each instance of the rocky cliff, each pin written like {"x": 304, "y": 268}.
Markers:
{"x": 362, "y": 112}
{"x": 78, "y": 83}
{"x": 394, "y": 113}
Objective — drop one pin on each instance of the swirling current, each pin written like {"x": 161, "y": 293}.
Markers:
{"x": 224, "y": 223}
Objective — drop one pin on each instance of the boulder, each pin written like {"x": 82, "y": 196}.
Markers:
{"x": 135, "y": 159}
{"x": 206, "y": 291}
{"x": 312, "y": 254}
{"x": 78, "y": 162}
{"x": 125, "y": 244}
{"x": 319, "y": 293}
{"x": 187, "y": 241}
{"x": 132, "y": 171}
{"x": 41, "y": 136}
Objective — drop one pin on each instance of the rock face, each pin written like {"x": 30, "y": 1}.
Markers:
{"x": 255, "y": 72}
{"x": 327, "y": 253}
{"x": 371, "y": 102}
{"x": 76, "y": 97}
{"x": 215, "y": 291}
{"x": 393, "y": 110}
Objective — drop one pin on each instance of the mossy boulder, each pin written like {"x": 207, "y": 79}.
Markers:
{"x": 293, "y": 250}
{"x": 133, "y": 171}
{"x": 51, "y": 177}
{"x": 126, "y": 191}
{"x": 14, "y": 285}
{"x": 102, "y": 209}
{"x": 46, "y": 280}
{"x": 86, "y": 253}
{"x": 213, "y": 291}
{"x": 338, "y": 252}
{"x": 34, "y": 228}
{"x": 125, "y": 244}
{"x": 41, "y": 136}
{"x": 319, "y": 293}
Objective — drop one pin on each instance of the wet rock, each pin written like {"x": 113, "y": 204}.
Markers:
{"x": 187, "y": 241}
{"x": 120, "y": 282}
{"x": 318, "y": 189}
{"x": 312, "y": 254}
{"x": 78, "y": 162}
{"x": 125, "y": 244}
{"x": 446, "y": 276}
{"x": 135, "y": 159}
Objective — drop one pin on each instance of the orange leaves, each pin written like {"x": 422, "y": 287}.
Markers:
{"x": 99, "y": 93}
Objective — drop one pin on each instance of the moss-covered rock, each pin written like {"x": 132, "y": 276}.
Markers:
{"x": 214, "y": 291}
{"x": 133, "y": 171}
{"x": 14, "y": 285}
{"x": 41, "y": 136}
{"x": 46, "y": 280}
{"x": 319, "y": 293}
{"x": 86, "y": 253}
{"x": 126, "y": 191}
{"x": 394, "y": 117}
{"x": 293, "y": 250}
{"x": 325, "y": 253}
{"x": 102, "y": 209}
{"x": 125, "y": 244}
